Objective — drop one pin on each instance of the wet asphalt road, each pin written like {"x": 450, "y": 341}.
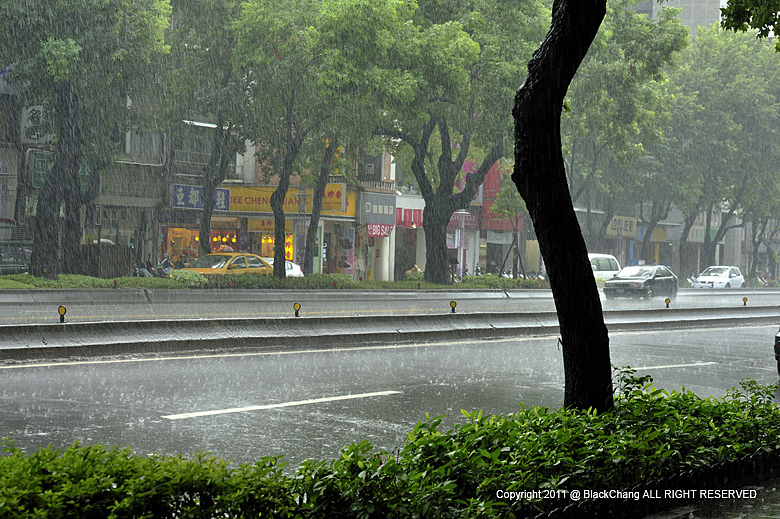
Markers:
{"x": 308, "y": 404}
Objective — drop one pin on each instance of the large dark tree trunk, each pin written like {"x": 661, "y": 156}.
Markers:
{"x": 541, "y": 179}
{"x": 60, "y": 185}
{"x": 440, "y": 206}
{"x": 316, "y": 207}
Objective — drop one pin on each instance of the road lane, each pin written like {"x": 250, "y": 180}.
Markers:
{"x": 125, "y": 401}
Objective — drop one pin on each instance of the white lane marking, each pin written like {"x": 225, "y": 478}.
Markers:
{"x": 678, "y": 366}
{"x": 275, "y": 406}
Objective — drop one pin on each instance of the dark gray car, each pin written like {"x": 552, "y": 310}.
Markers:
{"x": 642, "y": 281}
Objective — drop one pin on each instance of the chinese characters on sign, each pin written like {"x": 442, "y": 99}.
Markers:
{"x": 377, "y": 208}
{"x": 42, "y": 162}
{"x": 191, "y": 197}
{"x": 626, "y": 225}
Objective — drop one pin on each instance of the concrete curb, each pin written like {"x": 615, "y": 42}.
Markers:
{"x": 24, "y": 342}
{"x": 152, "y": 296}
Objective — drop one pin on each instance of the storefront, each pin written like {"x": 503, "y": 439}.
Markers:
{"x": 621, "y": 232}
{"x": 178, "y": 236}
{"x": 243, "y": 220}
{"x": 262, "y": 240}
{"x": 501, "y": 232}
{"x": 463, "y": 240}
{"x": 375, "y": 239}
{"x": 409, "y": 237}
{"x": 336, "y": 237}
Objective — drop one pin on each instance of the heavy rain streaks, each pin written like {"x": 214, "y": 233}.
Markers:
{"x": 124, "y": 401}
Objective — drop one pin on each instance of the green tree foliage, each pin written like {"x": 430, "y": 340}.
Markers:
{"x": 464, "y": 61}
{"x": 310, "y": 66}
{"x": 204, "y": 83}
{"x": 278, "y": 45}
{"x": 763, "y": 16}
{"x": 617, "y": 104}
{"x": 78, "y": 63}
{"x": 360, "y": 39}
{"x": 728, "y": 138}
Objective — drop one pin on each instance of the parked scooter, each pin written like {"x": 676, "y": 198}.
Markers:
{"x": 166, "y": 267}
{"x": 139, "y": 271}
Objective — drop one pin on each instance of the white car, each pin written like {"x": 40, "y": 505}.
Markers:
{"x": 292, "y": 270}
{"x": 604, "y": 266}
{"x": 720, "y": 276}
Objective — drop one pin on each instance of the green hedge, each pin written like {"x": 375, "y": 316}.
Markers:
{"x": 189, "y": 279}
{"x": 463, "y": 472}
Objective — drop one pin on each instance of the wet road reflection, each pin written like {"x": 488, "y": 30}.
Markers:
{"x": 125, "y": 401}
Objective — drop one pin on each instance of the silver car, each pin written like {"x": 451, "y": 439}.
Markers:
{"x": 720, "y": 276}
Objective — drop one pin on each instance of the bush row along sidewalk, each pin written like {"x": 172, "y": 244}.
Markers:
{"x": 188, "y": 279}
{"x": 652, "y": 439}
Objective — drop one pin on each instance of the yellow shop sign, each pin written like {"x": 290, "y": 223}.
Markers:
{"x": 258, "y": 199}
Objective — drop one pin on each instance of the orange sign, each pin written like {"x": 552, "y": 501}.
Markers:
{"x": 266, "y": 225}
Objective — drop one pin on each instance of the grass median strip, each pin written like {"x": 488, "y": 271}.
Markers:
{"x": 276, "y": 406}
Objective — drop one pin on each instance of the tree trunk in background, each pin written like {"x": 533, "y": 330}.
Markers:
{"x": 59, "y": 186}
{"x": 686, "y": 267}
{"x": 541, "y": 179}
{"x": 437, "y": 263}
{"x": 277, "y": 206}
{"x": 213, "y": 175}
{"x": 68, "y": 103}
{"x": 316, "y": 207}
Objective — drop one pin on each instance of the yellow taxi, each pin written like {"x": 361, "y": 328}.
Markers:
{"x": 231, "y": 263}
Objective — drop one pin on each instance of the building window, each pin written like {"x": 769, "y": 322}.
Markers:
{"x": 192, "y": 145}
{"x": 142, "y": 146}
